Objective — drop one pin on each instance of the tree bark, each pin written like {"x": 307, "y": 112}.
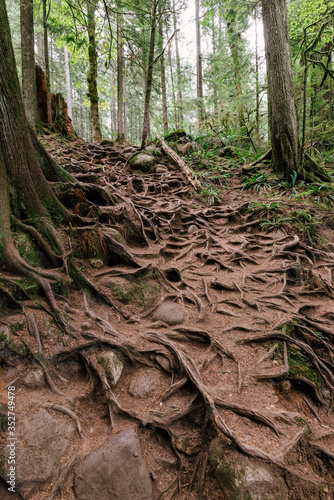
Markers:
{"x": 29, "y": 90}
{"x": 172, "y": 85}
{"x": 257, "y": 85}
{"x": 178, "y": 72}
{"x": 68, "y": 83}
{"x": 47, "y": 64}
{"x": 30, "y": 194}
{"x": 199, "y": 66}
{"x": 283, "y": 120}
{"x": 120, "y": 127}
{"x": 92, "y": 73}
{"x": 113, "y": 102}
{"x": 125, "y": 106}
{"x": 163, "y": 80}
{"x": 233, "y": 44}
{"x": 149, "y": 78}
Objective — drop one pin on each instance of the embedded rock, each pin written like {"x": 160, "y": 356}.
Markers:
{"x": 116, "y": 471}
{"x": 42, "y": 441}
{"x": 143, "y": 385}
{"x": 169, "y": 313}
{"x": 34, "y": 379}
{"x": 143, "y": 162}
{"x": 112, "y": 365}
{"x": 241, "y": 477}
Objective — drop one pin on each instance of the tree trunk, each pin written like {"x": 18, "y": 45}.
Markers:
{"x": 257, "y": 85}
{"x": 178, "y": 72}
{"x": 92, "y": 73}
{"x": 47, "y": 65}
{"x": 125, "y": 106}
{"x": 163, "y": 80}
{"x": 172, "y": 85}
{"x": 233, "y": 44}
{"x": 199, "y": 66}
{"x": 120, "y": 127}
{"x": 283, "y": 122}
{"x": 149, "y": 78}
{"x": 68, "y": 84}
{"x": 28, "y": 63}
{"x": 113, "y": 102}
{"x": 30, "y": 194}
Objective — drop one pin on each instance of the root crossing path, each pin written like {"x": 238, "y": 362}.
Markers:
{"x": 223, "y": 333}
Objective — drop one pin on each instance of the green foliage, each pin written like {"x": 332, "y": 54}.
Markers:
{"x": 257, "y": 182}
{"x": 302, "y": 220}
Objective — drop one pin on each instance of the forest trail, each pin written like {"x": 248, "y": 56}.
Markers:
{"x": 245, "y": 351}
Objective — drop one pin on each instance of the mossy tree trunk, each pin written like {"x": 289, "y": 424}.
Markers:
{"x": 120, "y": 127}
{"x": 283, "y": 120}
{"x": 92, "y": 73}
{"x": 149, "y": 75}
{"x": 28, "y": 63}
{"x": 47, "y": 64}
{"x": 25, "y": 192}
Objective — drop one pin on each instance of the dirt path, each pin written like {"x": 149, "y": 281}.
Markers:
{"x": 250, "y": 356}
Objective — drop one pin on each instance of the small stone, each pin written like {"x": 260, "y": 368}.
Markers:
{"x": 285, "y": 386}
{"x": 16, "y": 322}
{"x": 96, "y": 263}
{"x": 114, "y": 233}
{"x": 164, "y": 363}
{"x": 192, "y": 229}
{"x": 4, "y": 333}
{"x": 86, "y": 326}
{"x": 143, "y": 385}
{"x": 169, "y": 313}
{"x": 112, "y": 365}
{"x": 34, "y": 379}
{"x": 128, "y": 149}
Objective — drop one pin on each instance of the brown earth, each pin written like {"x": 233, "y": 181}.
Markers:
{"x": 252, "y": 360}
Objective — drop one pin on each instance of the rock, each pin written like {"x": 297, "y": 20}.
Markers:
{"x": 42, "y": 441}
{"x": 192, "y": 229}
{"x": 128, "y": 149}
{"x": 116, "y": 235}
{"x": 241, "y": 477}
{"x": 4, "y": 333}
{"x": 143, "y": 162}
{"x": 285, "y": 386}
{"x": 34, "y": 379}
{"x": 144, "y": 384}
{"x": 107, "y": 142}
{"x": 169, "y": 313}
{"x": 115, "y": 471}
{"x": 112, "y": 365}
{"x": 29, "y": 250}
{"x": 190, "y": 445}
{"x": 141, "y": 293}
{"x": 160, "y": 169}
{"x": 16, "y": 322}
{"x": 96, "y": 263}
{"x": 163, "y": 362}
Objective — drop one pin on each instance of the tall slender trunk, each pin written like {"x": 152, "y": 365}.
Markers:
{"x": 113, "y": 101}
{"x": 47, "y": 65}
{"x": 125, "y": 107}
{"x": 199, "y": 66}
{"x": 232, "y": 37}
{"x": 163, "y": 80}
{"x": 148, "y": 89}
{"x": 92, "y": 73}
{"x": 68, "y": 83}
{"x": 215, "y": 52}
{"x": 29, "y": 90}
{"x": 120, "y": 127}
{"x": 178, "y": 71}
{"x": 172, "y": 85}
{"x": 257, "y": 85}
